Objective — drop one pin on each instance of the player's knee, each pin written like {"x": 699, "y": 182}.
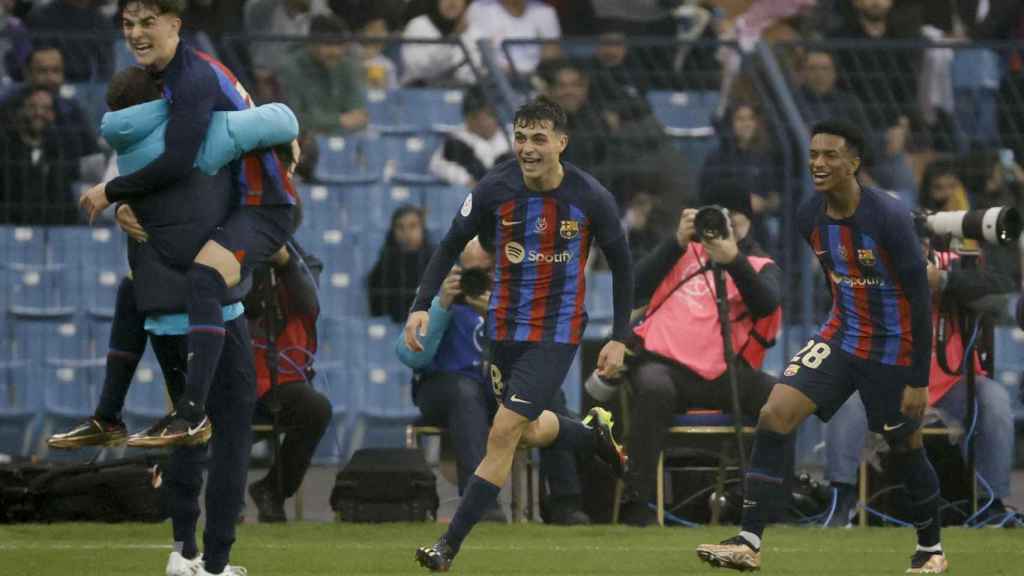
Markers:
{"x": 776, "y": 418}
{"x": 215, "y": 256}
{"x": 206, "y": 282}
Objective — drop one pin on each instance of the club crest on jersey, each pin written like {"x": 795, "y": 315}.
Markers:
{"x": 569, "y": 229}
{"x": 467, "y": 206}
{"x": 866, "y": 256}
{"x": 792, "y": 369}
{"x": 515, "y": 252}
{"x": 542, "y": 224}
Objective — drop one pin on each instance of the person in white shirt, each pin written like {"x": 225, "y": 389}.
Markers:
{"x": 440, "y": 64}
{"x": 500, "y": 20}
{"x": 469, "y": 152}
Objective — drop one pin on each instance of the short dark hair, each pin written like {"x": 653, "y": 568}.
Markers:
{"x": 176, "y": 7}
{"x": 848, "y": 132}
{"x": 474, "y": 100}
{"x": 327, "y": 25}
{"x": 130, "y": 87}
{"x": 539, "y": 110}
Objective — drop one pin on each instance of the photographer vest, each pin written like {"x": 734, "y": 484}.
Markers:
{"x": 940, "y": 381}
{"x": 683, "y": 322}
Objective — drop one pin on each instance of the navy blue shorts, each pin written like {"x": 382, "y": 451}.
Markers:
{"x": 828, "y": 376}
{"x": 254, "y": 233}
{"x": 527, "y": 376}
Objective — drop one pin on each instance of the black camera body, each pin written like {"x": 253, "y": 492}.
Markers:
{"x": 474, "y": 282}
{"x": 711, "y": 222}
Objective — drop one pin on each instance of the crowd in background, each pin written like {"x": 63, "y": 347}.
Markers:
{"x": 948, "y": 105}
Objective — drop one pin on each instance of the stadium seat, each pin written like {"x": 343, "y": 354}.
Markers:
{"x": 23, "y": 245}
{"x": 442, "y": 203}
{"x": 42, "y": 291}
{"x": 99, "y": 291}
{"x": 685, "y": 113}
{"x": 412, "y": 152}
{"x": 341, "y": 340}
{"x": 1009, "y": 344}
{"x": 431, "y": 108}
{"x": 353, "y": 158}
{"x": 91, "y": 95}
{"x": 383, "y": 108}
{"x": 101, "y": 247}
{"x": 19, "y": 404}
{"x": 599, "y": 301}
{"x": 387, "y": 383}
{"x": 333, "y": 380}
{"x": 147, "y": 399}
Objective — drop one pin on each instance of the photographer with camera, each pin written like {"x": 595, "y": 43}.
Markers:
{"x": 680, "y": 361}
{"x": 451, "y": 390}
{"x": 954, "y": 290}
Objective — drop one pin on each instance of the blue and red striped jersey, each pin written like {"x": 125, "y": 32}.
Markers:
{"x": 877, "y": 273}
{"x": 195, "y": 85}
{"x": 541, "y": 241}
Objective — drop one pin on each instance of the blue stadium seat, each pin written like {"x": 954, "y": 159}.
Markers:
{"x": 383, "y": 108}
{"x": 353, "y": 158}
{"x": 431, "y": 108}
{"x": 1008, "y": 342}
{"x": 20, "y": 400}
{"x": 342, "y": 340}
{"x": 442, "y": 203}
{"x": 147, "y": 399}
{"x": 100, "y": 247}
{"x": 91, "y": 95}
{"x": 389, "y": 199}
{"x": 72, "y": 387}
{"x": 99, "y": 291}
{"x": 572, "y": 384}
{"x": 599, "y": 296}
{"x": 23, "y": 245}
{"x": 685, "y": 112}
{"x": 412, "y": 152}
{"x": 42, "y": 291}
{"x": 343, "y": 206}
{"x": 388, "y": 395}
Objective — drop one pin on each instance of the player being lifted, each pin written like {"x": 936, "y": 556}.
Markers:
{"x": 538, "y": 215}
{"x": 877, "y": 340}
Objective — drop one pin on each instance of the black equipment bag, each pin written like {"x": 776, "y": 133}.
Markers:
{"x": 386, "y": 485}
{"x": 127, "y": 490}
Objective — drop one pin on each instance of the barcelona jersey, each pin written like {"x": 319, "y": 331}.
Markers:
{"x": 876, "y": 271}
{"x": 195, "y": 85}
{"x": 540, "y": 242}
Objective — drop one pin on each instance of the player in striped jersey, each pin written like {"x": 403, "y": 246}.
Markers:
{"x": 195, "y": 85}
{"x": 539, "y": 216}
{"x": 877, "y": 340}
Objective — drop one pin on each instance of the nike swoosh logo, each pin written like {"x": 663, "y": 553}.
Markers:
{"x": 193, "y": 431}
{"x": 510, "y": 222}
{"x": 515, "y": 398}
{"x": 887, "y": 428}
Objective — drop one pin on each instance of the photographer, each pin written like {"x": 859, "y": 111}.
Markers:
{"x": 681, "y": 368}
{"x": 953, "y": 289}
{"x": 451, "y": 390}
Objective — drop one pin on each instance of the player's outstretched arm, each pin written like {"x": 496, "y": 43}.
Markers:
{"x": 243, "y": 131}
{"x": 911, "y": 271}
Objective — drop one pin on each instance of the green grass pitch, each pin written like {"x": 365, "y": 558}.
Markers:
{"x": 362, "y": 549}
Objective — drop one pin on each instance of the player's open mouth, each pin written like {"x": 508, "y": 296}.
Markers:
{"x": 820, "y": 177}
{"x": 142, "y": 49}
{"x": 530, "y": 161}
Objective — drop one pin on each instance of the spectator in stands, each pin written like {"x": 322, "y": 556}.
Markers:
{"x": 83, "y": 34}
{"x": 743, "y": 156}
{"x": 451, "y": 390}
{"x": 35, "y": 172}
{"x": 440, "y": 64}
{"x": 73, "y": 125}
{"x": 471, "y": 150}
{"x": 953, "y": 289}
{"x": 380, "y": 71}
{"x": 393, "y": 281}
{"x": 501, "y": 20}
{"x": 941, "y": 187}
{"x": 818, "y": 96}
{"x": 995, "y": 179}
{"x": 569, "y": 86}
{"x": 14, "y": 43}
{"x": 639, "y": 221}
{"x": 280, "y": 18}
{"x": 675, "y": 371}
{"x": 303, "y": 413}
{"x": 213, "y": 19}
{"x": 324, "y": 83}
{"x": 617, "y": 68}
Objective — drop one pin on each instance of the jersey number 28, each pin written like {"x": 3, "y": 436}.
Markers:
{"x": 812, "y": 354}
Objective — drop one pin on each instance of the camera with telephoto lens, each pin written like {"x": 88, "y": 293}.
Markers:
{"x": 999, "y": 225}
{"x": 474, "y": 282}
{"x": 711, "y": 222}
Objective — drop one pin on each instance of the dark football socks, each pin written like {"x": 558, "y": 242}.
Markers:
{"x": 764, "y": 484}
{"x": 479, "y": 497}
{"x": 125, "y": 348}
{"x": 573, "y": 436}
{"x": 205, "y": 338}
{"x": 917, "y": 474}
